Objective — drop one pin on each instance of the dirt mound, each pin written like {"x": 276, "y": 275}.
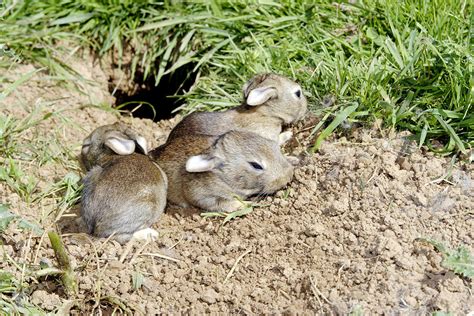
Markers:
{"x": 341, "y": 238}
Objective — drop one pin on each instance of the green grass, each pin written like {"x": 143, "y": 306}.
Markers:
{"x": 247, "y": 208}
{"x": 18, "y": 151}
{"x": 24, "y": 150}
{"x": 12, "y": 289}
{"x": 408, "y": 63}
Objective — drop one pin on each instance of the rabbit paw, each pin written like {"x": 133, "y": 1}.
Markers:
{"x": 294, "y": 161}
{"x": 234, "y": 206}
{"x": 284, "y": 137}
{"x": 228, "y": 206}
{"x": 145, "y": 234}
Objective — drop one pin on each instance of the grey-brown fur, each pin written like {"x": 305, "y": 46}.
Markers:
{"x": 266, "y": 119}
{"x": 232, "y": 174}
{"x": 95, "y": 150}
{"x": 123, "y": 193}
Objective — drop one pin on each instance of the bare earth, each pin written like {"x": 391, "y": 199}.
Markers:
{"x": 341, "y": 238}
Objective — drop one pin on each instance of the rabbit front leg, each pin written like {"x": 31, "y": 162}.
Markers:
{"x": 226, "y": 205}
{"x": 145, "y": 234}
{"x": 214, "y": 203}
{"x": 294, "y": 161}
{"x": 203, "y": 192}
{"x": 284, "y": 137}
{"x": 219, "y": 204}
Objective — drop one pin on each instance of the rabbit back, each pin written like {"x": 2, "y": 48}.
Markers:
{"x": 205, "y": 123}
{"x": 270, "y": 101}
{"x": 122, "y": 196}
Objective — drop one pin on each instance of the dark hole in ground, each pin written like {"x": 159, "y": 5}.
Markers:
{"x": 159, "y": 97}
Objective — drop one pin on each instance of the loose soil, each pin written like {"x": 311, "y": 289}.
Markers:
{"x": 341, "y": 238}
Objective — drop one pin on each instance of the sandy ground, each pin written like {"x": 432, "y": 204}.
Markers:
{"x": 341, "y": 238}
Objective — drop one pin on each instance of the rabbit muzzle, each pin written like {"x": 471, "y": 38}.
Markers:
{"x": 280, "y": 181}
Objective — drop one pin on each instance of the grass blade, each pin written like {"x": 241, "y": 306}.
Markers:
{"x": 333, "y": 125}
{"x": 18, "y": 82}
{"x": 451, "y": 133}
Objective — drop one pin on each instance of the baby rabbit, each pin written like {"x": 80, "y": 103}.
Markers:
{"x": 210, "y": 171}
{"x": 270, "y": 101}
{"x": 124, "y": 191}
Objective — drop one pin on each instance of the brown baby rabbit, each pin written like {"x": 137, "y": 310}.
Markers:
{"x": 210, "y": 171}
{"x": 124, "y": 191}
{"x": 270, "y": 101}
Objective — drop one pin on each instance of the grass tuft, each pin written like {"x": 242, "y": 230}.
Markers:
{"x": 407, "y": 63}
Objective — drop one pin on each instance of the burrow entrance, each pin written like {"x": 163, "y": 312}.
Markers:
{"x": 156, "y": 102}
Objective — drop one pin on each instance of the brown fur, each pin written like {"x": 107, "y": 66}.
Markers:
{"x": 215, "y": 189}
{"x": 122, "y": 193}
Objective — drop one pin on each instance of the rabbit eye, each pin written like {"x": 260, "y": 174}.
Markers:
{"x": 298, "y": 93}
{"x": 256, "y": 165}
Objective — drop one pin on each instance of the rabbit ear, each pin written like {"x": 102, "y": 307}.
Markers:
{"x": 246, "y": 87}
{"x": 120, "y": 145}
{"x": 86, "y": 146}
{"x": 252, "y": 83}
{"x": 200, "y": 163}
{"x": 141, "y": 142}
{"x": 261, "y": 95}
